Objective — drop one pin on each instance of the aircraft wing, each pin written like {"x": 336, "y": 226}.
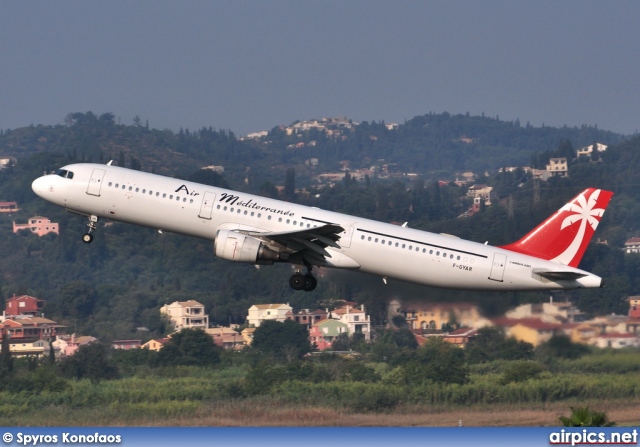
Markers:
{"x": 311, "y": 242}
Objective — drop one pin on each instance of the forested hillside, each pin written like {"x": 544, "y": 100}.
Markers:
{"x": 117, "y": 284}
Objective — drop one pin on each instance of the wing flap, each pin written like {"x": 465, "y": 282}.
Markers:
{"x": 310, "y": 242}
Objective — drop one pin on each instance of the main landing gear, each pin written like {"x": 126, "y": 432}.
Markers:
{"x": 306, "y": 282}
{"x": 93, "y": 224}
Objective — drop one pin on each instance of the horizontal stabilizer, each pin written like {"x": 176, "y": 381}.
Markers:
{"x": 559, "y": 276}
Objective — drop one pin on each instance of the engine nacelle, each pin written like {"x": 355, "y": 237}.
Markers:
{"x": 239, "y": 247}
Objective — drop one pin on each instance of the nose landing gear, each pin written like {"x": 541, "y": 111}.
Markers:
{"x": 93, "y": 224}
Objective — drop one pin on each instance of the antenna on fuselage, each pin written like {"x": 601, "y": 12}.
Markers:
{"x": 110, "y": 161}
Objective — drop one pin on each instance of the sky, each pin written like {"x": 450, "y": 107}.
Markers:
{"x": 248, "y": 66}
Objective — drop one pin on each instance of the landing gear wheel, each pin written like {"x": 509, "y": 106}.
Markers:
{"x": 310, "y": 282}
{"x": 93, "y": 224}
{"x": 297, "y": 281}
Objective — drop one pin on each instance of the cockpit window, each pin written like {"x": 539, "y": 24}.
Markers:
{"x": 64, "y": 173}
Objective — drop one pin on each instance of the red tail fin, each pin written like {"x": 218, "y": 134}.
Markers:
{"x": 564, "y": 236}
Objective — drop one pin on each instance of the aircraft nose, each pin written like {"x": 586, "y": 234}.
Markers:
{"x": 39, "y": 186}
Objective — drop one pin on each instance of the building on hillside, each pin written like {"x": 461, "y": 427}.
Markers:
{"x": 8, "y": 207}
{"x": 433, "y": 316}
{"x": 634, "y": 306}
{"x": 7, "y": 161}
{"x": 617, "y": 341}
{"x": 535, "y": 331}
{"x": 67, "y": 345}
{"x": 558, "y": 167}
{"x": 307, "y": 317}
{"x": 22, "y": 327}
{"x": 126, "y": 344}
{"x": 186, "y": 314}
{"x": 632, "y": 245}
{"x": 155, "y": 344}
{"x": 324, "y": 333}
{"x": 23, "y": 305}
{"x": 460, "y": 337}
{"x": 357, "y": 321}
{"x": 32, "y": 347}
{"x": 226, "y": 337}
{"x": 550, "y": 312}
{"x": 588, "y": 150}
{"x": 247, "y": 335}
{"x": 261, "y": 312}
{"x": 38, "y": 225}
{"x": 482, "y": 193}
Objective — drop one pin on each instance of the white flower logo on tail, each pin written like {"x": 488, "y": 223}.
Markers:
{"x": 585, "y": 213}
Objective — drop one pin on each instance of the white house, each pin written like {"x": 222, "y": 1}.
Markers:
{"x": 186, "y": 314}
{"x": 357, "y": 321}
{"x": 261, "y": 312}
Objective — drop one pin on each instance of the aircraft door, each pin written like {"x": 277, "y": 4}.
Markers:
{"x": 207, "y": 205}
{"x": 95, "y": 182}
{"x": 346, "y": 235}
{"x": 497, "y": 269}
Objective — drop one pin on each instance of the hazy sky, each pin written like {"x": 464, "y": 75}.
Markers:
{"x": 252, "y": 65}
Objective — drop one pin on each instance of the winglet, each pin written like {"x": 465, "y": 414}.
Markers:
{"x": 565, "y": 235}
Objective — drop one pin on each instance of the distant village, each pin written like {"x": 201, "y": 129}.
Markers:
{"x": 31, "y": 334}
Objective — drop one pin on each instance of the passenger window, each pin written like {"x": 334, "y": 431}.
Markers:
{"x": 130, "y": 188}
{"x": 124, "y": 186}
{"x": 164, "y": 195}
{"x": 109, "y": 183}
{"x": 117, "y": 185}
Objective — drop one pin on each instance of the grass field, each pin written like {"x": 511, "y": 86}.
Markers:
{"x": 249, "y": 413}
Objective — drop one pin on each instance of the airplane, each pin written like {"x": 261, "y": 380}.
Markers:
{"x": 256, "y": 230}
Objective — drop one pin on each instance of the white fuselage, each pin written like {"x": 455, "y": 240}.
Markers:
{"x": 382, "y": 249}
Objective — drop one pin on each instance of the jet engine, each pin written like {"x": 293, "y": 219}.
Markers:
{"x": 239, "y": 247}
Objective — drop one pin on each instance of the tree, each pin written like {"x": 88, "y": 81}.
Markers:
{"x": 442, "y": 362}
{"x": 290, "y": 184}
{"x": 208, "y": 177}
{"x": 287, "y": 340}
{"x": 561, "y": 346}
{"x": 190, "y": 346}
{"x": 585, "y": 417}
{"x": 490, "y": 344}
{"x": 91, "y": 361}
{"x": 521, "y": 370}
{"x": 6, "y": 360}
